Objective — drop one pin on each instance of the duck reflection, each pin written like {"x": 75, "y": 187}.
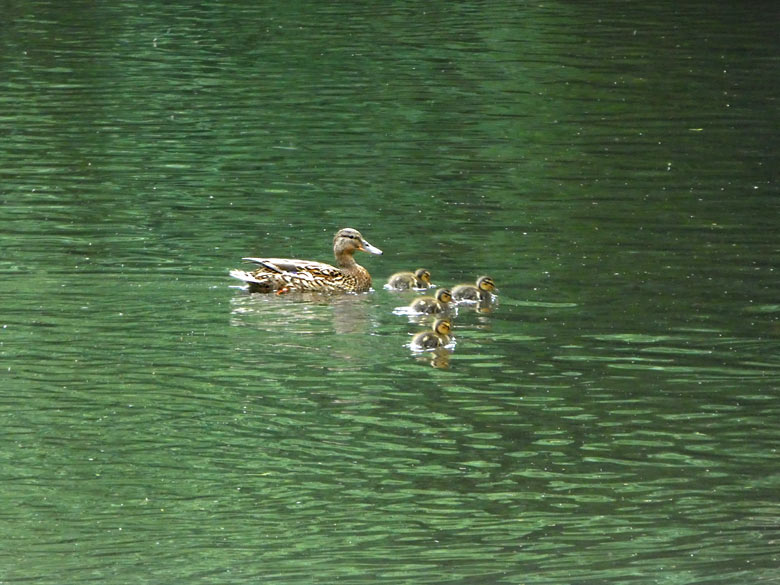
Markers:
{"x": 302, "y": 313}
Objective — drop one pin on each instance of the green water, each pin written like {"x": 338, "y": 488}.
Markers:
{"x": 612, "y": 419}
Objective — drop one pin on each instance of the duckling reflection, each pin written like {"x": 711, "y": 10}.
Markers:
{"x": 437, "y": 358}
{"x": 435, "y": 304}
{"x": 485, "y": 306}
{"x": 437, "y": 336}
{"x": 419, "y": 279}
{"x": 480, "y": 292}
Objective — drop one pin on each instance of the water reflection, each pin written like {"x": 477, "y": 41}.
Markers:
{"x": 481, "y": 306}
{"x": 420, "y": 317}
{"x": 297, "y": 313}
{"x": 437, "y": 358}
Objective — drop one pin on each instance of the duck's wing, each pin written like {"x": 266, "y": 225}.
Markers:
{"x": 300, "y": 268}
{"x": 300, "y": 275}
{"x": 273, "y": 275}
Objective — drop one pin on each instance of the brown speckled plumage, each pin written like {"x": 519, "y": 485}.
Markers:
{"x": 289, "y": 274}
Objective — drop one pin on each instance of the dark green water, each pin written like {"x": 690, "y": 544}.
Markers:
{"x": 613, "y": 165}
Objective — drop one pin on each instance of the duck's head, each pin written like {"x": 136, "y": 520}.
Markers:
{"x": 349, "y": 240}
{"x": 442, "y": 326}
{"x": 485, "y": 283}
{"x": 423, "y": 275}
{"x": 443, "y": 295}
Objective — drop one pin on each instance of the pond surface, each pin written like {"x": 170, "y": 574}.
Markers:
{"x": 612, "y": 418}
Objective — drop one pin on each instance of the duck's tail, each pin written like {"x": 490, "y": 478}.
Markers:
{"x": 245, "y": 276}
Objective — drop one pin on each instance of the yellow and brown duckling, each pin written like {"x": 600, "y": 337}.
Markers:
{"x": 437, "y": 336}
{"x": 480, "y": 292}
{"x": 282, "y": 275}
{"x": 420, "y": 278}
{"x": 435, "y": 304}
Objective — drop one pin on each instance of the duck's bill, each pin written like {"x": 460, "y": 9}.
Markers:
{"x": 366, "y": 247}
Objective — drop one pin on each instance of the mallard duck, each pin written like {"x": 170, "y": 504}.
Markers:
{"x": 438, "y": 336}
{"x": 282, "y": 275}
{"x": 435, "y": 304}
{"x": 479, "y": 292}
{"x": 420, "y": 278}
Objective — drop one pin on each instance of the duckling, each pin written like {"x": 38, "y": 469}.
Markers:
{"x": 420, "y": 278}
{"x": 436, "y": 304}
{"x": 438, "y": 336}
{"x": 480, "y": 292}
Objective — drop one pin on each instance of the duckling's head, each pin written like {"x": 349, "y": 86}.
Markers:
{"x": 349, "y": 240}
{"x": 485, "y": 283}
{"x": 423, "y": 275}
{"x": 442, "y": 326}
{"x": 443, "y": 295}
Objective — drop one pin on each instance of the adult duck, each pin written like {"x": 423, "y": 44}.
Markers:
{"x": 281, "y": 275}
